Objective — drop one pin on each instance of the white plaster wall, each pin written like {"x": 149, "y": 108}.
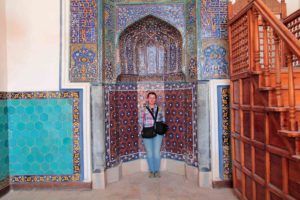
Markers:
{"x": 33, "y": 44}
{"x": 3, "y": 67}
{"x": 292, "y": 6}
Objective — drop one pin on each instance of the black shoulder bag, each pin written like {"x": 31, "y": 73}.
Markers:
{"x": 159, "y": 127}
{"x": 149, "y": 132}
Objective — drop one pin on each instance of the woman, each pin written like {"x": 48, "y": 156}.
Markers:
{"x": 152, "y": 145}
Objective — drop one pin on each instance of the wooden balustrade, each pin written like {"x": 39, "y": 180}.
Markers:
{"x": 291, "y": 84}
{"x": 266, "y": 54}
{"x": 278, "y": 70}
{"x": 256, "y": 40}
{"x": 264, "y": 104}
{"x": 292, "y": 22}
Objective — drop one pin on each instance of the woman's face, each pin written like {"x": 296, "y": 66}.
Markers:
{"x": 151, "y": 99}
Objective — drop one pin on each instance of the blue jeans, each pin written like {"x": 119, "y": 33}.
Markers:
{"x": 152, "y": 146}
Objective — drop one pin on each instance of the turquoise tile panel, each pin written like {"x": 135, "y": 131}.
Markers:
{"x": 40, "y": 136}
{"x": 4, "y": 156}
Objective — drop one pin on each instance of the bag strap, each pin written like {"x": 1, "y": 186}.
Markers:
{"x": 156, "y": 113}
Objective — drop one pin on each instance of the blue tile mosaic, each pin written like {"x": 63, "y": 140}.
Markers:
{"x": 214, "y": 18}
{"x": 84, "y": 39}
{"x": 44, "y": 139}
{"x": 4, "y": 155}
{"x": 83, "y": 21}
{"x": 215, "y": 61}
{"x": 84, "y": 63}
{"x": 172, "y": 13}
{"x": 41, "y": 136}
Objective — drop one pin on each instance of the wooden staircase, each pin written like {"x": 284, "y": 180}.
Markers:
{"x": 265, "y": 101}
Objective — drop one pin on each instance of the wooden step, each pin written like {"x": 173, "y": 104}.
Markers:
{"x": 266, "y": 88}
{"x": 276, "y": 109}
{"x": 255, "y": 72}
{"x": 290, "y": 134}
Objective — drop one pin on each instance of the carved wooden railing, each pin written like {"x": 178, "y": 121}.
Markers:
{"x": 261, "y": 44}
{"x": 292, "y": 22}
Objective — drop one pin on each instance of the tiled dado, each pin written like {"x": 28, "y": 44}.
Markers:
{"x": 123, "y": 104}
{"x": 44, "y": 136}
{"x": 4, "y": 156}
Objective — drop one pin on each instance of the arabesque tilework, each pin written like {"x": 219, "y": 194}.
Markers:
{"x": 84, "y": 39}
{"x": 83, "y": 21}
{"x": 227, "y": 169}
{"x": 84, "y": 62}
{"x": 4, "y": 155}
{"x": 44, "y": 136}
{"x": 214, "y": 18}
{"x": 224, "y": 132}
{"x": 214, "y": 51}
{"x": 215, "y": 63}
{"x": 119, "y": 14}
{"x": 171, "y": 13}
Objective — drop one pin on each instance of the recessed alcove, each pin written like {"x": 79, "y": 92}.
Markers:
{"x": 150, "y": 49}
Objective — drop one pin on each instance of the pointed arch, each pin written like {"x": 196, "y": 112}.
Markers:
{"x": 150, "y": 47}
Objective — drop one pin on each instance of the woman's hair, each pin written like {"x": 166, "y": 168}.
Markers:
{"x": 152, "y": 93}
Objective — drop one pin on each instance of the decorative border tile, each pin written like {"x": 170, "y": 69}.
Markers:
{"x": 4, "y": 183}
{"x": 75, "y": 95}
{"x": 224, "y": 133}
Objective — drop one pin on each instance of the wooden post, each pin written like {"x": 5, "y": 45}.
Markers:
{"x": 256, "y": 41}
{"x": 291, "y": 84}
{"x": 278, "y": 69}
{"x": 230, "y": 11}
{"x": 266, "y": 55}
{"x": 283, "y": 9}
{"x": 297, "y": 143}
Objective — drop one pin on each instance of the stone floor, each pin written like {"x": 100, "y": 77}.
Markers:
{"x": 136, "y": 186}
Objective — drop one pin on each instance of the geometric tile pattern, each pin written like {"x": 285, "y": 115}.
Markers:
{"x": 119, "y": 14}
{"x": 214, "y": 50}
{"x": 84, "y": 39}
{"x": 4, "y": 156}
{"x": 109, "y": 42}
{"x": 224, "y": 133}
{"x": 215, "y": 59}
{"x": 214, "y": 19}
{"x": 122, "y": 138}
{"x": 123, "y": 103}
{"x": 41, "y": 136}
{"x": 171, "y": 13}
{"x": 150, "y": 47}
{"x": 44, "y": 136}
{"x": 191, "y": 44}
{"x": 84, "y": 63}
{"x": 180, "y": 141}
{"x": 83, "y": 21}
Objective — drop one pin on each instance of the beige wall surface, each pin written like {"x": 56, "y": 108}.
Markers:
{"x": 30, "y": 43}
{"x": 33, "y": 43}
{"x": 292, "y": 6}
{"x": 3, "y": 67}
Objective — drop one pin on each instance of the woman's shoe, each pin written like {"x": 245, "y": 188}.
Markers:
{"x": 151, "y": 175}
{"x": 157, "y": 174}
